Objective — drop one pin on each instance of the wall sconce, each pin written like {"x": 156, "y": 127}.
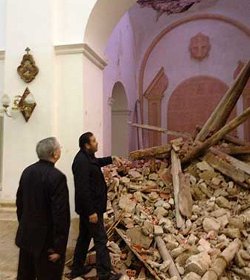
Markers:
{"x": 23, "y": 103}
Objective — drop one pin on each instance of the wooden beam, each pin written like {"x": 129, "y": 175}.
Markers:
{"x": 162, "y": 130}
{"x": 167, "y": 257}
{"x": 222, "y": 261}
{"x": 233, "y": 168}
{"x": 201, "y": 148}
{"x": 150, "y": 152}
{"x": 175, "y": 171}
{"x": 235, "y": 150}
{"x": 223, "y": 110}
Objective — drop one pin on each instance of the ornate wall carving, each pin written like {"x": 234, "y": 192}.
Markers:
{"x": 199, "y": 46}
{"x": 154, "y": 95}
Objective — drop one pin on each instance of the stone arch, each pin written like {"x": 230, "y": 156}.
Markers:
{"x": 119, "y": 120}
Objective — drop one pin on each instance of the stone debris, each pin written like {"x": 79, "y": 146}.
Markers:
{"x": 220, "y": 215}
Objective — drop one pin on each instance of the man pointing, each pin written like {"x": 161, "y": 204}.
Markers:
{"x": 90, "y": 204}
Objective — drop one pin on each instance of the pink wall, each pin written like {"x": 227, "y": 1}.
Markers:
{"x": 134, "y": 35}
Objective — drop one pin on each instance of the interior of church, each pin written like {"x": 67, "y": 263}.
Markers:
{"x": 138, "y": 74}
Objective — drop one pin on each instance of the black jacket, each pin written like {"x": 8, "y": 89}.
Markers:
{"x": 43, "y": 209}
{"x": 90, "y": 185}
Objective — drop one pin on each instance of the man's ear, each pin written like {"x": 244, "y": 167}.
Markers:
{"x": 87, "y": 146}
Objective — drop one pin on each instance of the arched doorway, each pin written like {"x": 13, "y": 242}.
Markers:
{"x": 119, "y": 120}
{"x": 192, "y": 102}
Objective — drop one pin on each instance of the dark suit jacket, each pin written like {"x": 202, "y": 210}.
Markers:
{"x": 90, "y": 185}
{"x": 43, "y": 209}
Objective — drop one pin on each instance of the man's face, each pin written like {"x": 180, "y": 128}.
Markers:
{"x": 92, "y": 147}
{"x": 57, "y": 153}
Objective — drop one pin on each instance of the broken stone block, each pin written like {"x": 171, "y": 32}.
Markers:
{"x": 151, "y": 184}
{"x": 198, "y": 263}
{"x": 178, "y": 251}
{"x": 237, "y": 222}
{"x": 171, "y": 201}
{"x": 126, "y": 204}
{"x": 203, "y": 166}
{"x": 196, "y": 210}
{"x": 166, "y": 205}
{"x": 204, "y": 245}
{"x": 192, "y": 276}
{"x": 153, "y": 196}
{"x": 245, "y": 255}
{"x": 135, "y": 175}
{"x": 207, "y": 175}
{"x": 211, "y": 224}
{"x": 138, "y": 196}
{"x": 138, "y": 238}
{"x": 129, "y": 223}
{"x": 153, "y": 177}
{"x": 220, "y": 212}
{"x": 160, "y": 212}
{"x": 222, "y": 202}
{"x": 216, "y": 181}
{"x": 171, "y": 242}
{"x": 232, "y": 233}
{"x": 158, "y": 230}
{"x": 180, "y": 269}
{"x": 204, "y": 189}
{"x": 223, "y": 220}
{"x": 239, "y": 260}
{"x": 192, "y": 240}
{"x": 165, "y": 266}
{"x": 159, "y": 203}
{"x": 148, "y": 228}
{"x": 124, "y": 180}
{"x": 192, "y": 179}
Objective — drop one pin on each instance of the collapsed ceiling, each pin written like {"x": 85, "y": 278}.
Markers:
{"x": 168, "y": 6}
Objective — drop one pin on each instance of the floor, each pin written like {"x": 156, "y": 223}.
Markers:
{"x": 8, "y": 250}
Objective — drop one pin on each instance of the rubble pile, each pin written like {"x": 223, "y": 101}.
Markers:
{"x": 143, "y": 195}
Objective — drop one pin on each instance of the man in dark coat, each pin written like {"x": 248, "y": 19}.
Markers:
{"x": 44, "y": 217}
{"x": 90, "y": 204}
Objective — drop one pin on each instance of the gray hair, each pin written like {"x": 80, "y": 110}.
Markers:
{"x": 46, "y": 148}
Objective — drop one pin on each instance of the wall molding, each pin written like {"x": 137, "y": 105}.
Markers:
{"x": 2, "y": 54}
{"x": 81, "y": 48}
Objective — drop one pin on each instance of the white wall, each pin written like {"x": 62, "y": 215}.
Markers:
{"x": 20, "y": 137}
{"x": 2, "y": 23}
{"x": 71, "y": 20}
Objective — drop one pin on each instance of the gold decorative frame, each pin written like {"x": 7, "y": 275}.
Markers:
{"x": 25, "y": 107}
{"x": 27, "y": 70}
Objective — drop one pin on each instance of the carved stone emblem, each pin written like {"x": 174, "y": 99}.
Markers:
{"x": 27, "y": 70}
{"x": 199, "y": 46}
